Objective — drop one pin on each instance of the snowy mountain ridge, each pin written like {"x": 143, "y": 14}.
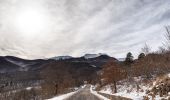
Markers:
{"x": 88, "y": 56}
{"x": 61, "y": 57}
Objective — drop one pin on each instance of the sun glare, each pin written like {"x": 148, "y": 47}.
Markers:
{"x": 30, "y": 22}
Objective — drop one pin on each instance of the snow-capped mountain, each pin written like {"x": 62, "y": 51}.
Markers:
{"x": 61, "y": 57}
{"x": 88, "y": 56}
{"x": 19, "y": 63}
{"x": 12, "y": 64}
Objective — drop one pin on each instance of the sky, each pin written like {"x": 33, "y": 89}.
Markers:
{"x": 46, "y": 28}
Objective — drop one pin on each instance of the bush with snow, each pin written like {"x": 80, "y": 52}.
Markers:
{"x": 161, "y": 88}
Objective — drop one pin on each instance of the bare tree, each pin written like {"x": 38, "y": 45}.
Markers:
{"x": 167, "y": 37}
{"x": 146, "y": 49}
{"x": 162, "y": 50}
{"x": 168, "y": 32}
{"x": 112, "y": 73}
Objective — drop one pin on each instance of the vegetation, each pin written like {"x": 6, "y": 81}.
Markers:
{"x": 129, "y": 59}
{"x": 147, "y": 65}
{"x": 60, "y": 77}
{"x": 112, "y": 72}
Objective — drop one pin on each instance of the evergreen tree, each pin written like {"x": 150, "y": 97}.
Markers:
{"x": 129, "y": 58}
{"x": 141, "y": 56}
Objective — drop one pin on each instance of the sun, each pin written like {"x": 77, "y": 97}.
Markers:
{"x": 31, "y": 22}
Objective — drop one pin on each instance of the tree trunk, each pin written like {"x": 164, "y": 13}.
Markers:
{"x": 137, "y": 87}
{"x": 115, "y": 88}
{"x": 56, "y": 89}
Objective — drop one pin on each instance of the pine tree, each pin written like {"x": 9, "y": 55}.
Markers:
{"x": 141, "y": 56}
{"x": 129, "y": 58}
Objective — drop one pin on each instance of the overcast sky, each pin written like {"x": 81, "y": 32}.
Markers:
{"x": 76, "y": 27}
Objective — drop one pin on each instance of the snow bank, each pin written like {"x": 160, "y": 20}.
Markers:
{"x": 29, "y": 88}
{"x": 128, "y": 89}
{"x": 169, "y": 75}
{"x": 98, "y": 95}
{"x": 83, "y": 86}
{"x": 160, "y": 88}
{"x": 131, "y": 95}
{"x": 62, "y": 97}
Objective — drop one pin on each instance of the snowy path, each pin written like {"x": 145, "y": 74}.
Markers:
{"x": 63, "y": 97}
{"x": 86, "y": 94}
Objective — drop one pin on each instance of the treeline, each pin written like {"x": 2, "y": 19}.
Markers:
{"x": 13, "y": 86}
{"x": 62, "y": 76}
{"x": 146, "y": 65}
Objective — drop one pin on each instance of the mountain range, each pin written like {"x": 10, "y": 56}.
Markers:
{"x": 12, "y": 64}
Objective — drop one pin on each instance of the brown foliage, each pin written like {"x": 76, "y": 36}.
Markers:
{"x": 112, "y": 72}
{"x": 161, "y": 87}
{"x": 57, "y": 79}
{"x": 60, "y": 76}
{"x": 151, "y": 64}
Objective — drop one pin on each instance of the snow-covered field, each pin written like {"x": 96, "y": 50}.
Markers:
{"x": 129, "y": 89}
{"x": 123, "y": 91}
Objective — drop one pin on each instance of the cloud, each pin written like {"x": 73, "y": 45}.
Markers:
{"x": 82, "y": 26}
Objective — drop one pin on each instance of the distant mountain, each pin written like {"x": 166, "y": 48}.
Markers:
{"x": 88, "y": 56}
{"x": 12, "y": 64}
{"x": 61, "y": 57}
{"x": 6, "y": 66}
{"x": 121, "y": 59}
{"x": 21, "y": 70}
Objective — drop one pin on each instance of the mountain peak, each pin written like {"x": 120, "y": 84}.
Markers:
{"x": 61, "y": 57}
{"x": 88, "y": 56}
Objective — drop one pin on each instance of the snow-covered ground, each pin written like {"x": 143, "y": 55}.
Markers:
{"x": 169, "y": 75}
{"x": 64, "y": 96}
{"x": 129, "y": 89}
{"x": 124, "y": 93}
{"x": 98, "y": 95}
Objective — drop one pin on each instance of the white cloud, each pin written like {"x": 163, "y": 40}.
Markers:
{"x": 82, "y": 26}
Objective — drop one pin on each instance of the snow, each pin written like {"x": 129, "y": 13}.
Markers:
{"x": 83, "y": 86}
{"x": 29, "y": 88}
{"x": 128, "y": 89}
{"x": 132, "y": 95}
{"x": 21, "y": 64}
{"x": 106, "y": 90}
{"x": 93, "y": 66}
{"x": 88, "y": 56}
{"x": 98, "y": 95}
{"x": 169, "y": 75}
{"x": 61, "y": 57}
{"x": 64, "y": 96}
